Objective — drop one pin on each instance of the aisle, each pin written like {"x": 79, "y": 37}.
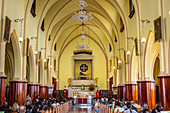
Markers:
{"x": 81, "y": 109}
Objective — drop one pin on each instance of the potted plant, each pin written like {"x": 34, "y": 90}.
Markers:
{"x": 91, "y": 87}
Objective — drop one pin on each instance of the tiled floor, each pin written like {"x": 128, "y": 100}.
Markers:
{"x": 81, "y": 109}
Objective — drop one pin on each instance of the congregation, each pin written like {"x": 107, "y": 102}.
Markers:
{"x": 100, "y": 105}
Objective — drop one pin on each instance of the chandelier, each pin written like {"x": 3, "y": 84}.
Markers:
{"x": 81, "y": 15}
{"x": 82, "y": 45}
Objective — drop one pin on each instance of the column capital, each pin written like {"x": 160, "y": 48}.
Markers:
{"x": 2, "y": 74}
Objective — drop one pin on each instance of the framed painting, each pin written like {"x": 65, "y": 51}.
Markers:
{"x": 7, "y": 29}
{"x": 158, "y": 29}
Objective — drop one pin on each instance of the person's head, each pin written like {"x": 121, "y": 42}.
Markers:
{"x": 158, "y": 108}
{"x": 136, "y": 102}
{"x": 22, "y": 109}
{"x": 15, "y": 107}
{"x": 37, "y": 97}
{"x": 129, "y": 105}
{"x": 145, "y": 106}
{"x": 158, "y": 104}
{"x": 120, "y": 105}
{"x": 5, "y": 104}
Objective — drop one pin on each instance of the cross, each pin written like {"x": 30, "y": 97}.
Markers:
{"x": 83, "y": 67}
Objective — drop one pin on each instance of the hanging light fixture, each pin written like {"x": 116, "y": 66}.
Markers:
{"x": 82, "y": 45}
{"x": 81, "y": 15}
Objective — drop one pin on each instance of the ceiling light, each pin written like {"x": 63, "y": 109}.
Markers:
{"x": 143, "y": 40}
{"x": 119, "y": 61}
{"x": 114, "y": 67}
{"x": 128, "y": 52}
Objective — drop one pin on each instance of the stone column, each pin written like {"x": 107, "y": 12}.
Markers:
{"x": 2, "y": 73}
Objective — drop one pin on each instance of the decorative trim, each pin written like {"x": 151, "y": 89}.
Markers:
{"x": 163, "y": 76}
{"x": 145, "y": 81}
{"x": 18, "y": 81}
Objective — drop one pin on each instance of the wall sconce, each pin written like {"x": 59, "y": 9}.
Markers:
{"x": 45, "y": 60}
{"x": 56, "y": 80}
{"x": 51, "y": 66}
{"x": 114, "y": 67}
{"x": 20, "y": 20}
{"x": 35, "y": 52}
{"x": 119, "y": 61}
{"x": 108, "y": 80}
{"x": 131, "y": 38}
{"x": 42, "y": 48}
{"x": 143, "y": 40}
{"x": 20, "y": 39}
{"x": 128, "y": 52}
{"x": 33, "y": 37}
{"x": 145, "y": 20}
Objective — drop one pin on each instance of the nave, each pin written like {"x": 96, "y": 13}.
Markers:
{"x": 85, "y": 49}
{"x": 82, "y": 109}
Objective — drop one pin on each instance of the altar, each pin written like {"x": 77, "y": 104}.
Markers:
{"x": 83, "y": 97}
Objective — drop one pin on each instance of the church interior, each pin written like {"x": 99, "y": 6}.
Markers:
{"x": 85, "y": 50}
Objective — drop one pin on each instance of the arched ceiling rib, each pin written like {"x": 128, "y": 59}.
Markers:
{"x": 57, "y": 14}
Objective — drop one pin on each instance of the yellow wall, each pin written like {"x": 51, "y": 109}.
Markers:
{"x": 66, "y": 65}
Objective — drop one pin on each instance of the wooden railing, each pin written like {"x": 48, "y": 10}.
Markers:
{"x": 62, "y": 108}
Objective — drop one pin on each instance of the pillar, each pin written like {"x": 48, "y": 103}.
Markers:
{"x": 2, "y": 89}
{"x": 17, "y": 90}
{"x": 121, "y": 92}
{"x": 131, "y": 92}
{"x": 43, "y": 92}
{"x": 164, "y": 91}
{"x": 3, "y": 77}
{"x": 146, "y": 93}
{"x": 33, "y": 90}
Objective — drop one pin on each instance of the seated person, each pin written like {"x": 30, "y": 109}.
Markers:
{"x": 133, "y": 107}
{"x": 102, "y": 101}
{"x": 120, "y": 105}
{"x": 22, "y": 109}
{"x": 107, "y": 102}
{"x": 4, "y": 107}
{"x": 15, "y": 108}
{"x": 145, "y": 108}
{"x": 158, "y": 108}
{"x": 129, "y": 108}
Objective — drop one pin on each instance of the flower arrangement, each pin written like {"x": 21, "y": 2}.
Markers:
{"x": 91, "y": 87}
